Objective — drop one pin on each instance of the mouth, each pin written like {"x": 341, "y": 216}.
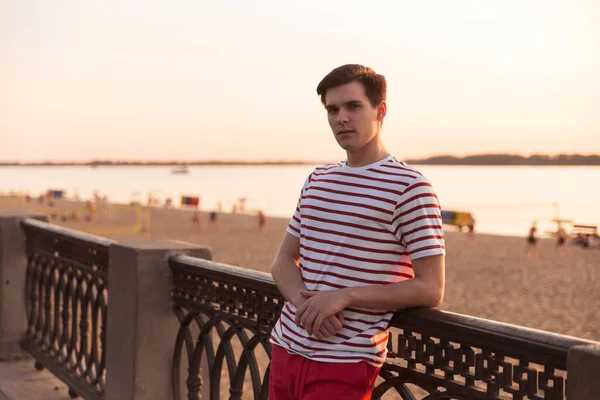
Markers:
{"x": 344, "y": 132}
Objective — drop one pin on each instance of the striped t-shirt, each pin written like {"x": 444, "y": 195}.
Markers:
{"x": 359, "y": 226}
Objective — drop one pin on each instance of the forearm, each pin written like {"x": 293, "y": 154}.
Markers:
{"x": 288, "y": 278}
{"x": 396, "y": 296}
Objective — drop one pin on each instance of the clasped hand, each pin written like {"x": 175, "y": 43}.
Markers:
{"x": 321, "y": 314}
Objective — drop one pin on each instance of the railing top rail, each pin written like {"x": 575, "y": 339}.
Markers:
{"x": 224, "y": 272}
{"x": 67, "y": 232}
{"x": 480, "y": 332}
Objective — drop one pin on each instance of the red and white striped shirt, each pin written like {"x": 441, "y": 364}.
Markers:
{"x": 359, "y": 226}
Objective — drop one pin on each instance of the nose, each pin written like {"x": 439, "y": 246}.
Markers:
{"x": 343, "y": 116}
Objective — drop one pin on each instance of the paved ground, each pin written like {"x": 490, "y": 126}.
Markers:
{"x": 19, "y": 380}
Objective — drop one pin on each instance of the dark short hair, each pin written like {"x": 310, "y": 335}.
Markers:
{"x": 375, "y": 85}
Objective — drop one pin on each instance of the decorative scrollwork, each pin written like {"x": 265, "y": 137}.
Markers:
{"x": 67, "y": 299}
{"x": 248, "y": 297}
{"x": 479, "y": 359}
{"x": 231, "y": 318}
{"x": 229, "y": 351}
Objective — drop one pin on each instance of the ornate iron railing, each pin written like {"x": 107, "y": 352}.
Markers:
{"x": 67, "y": 298}
{"x": 432, "y": 354}
{"x": 473, "y": 358}
{"x": 232, "y": 311}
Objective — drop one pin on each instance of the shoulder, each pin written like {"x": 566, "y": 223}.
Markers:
{"x": 328, "y": 167}
{"x": 407, "y": 169}
{"x": 319, "y": 171}
{"x": 398, "y": 171}
{"x": 325, "y": 169}
{"x": 415, "y": 183}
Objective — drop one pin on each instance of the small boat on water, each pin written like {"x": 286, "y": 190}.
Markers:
{"x": 181, "y": 169}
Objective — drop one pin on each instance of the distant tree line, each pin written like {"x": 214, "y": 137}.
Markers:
{"x": 510, "y": 159}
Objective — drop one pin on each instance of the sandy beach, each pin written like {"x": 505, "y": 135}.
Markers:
{"x": 487, "y": 276}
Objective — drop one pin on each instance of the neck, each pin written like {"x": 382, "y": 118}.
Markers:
{"x": 370, "y": 153}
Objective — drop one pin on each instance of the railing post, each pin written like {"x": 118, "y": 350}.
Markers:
{"x": 583, "y": 372}
{"x": 140, "y": 320}
{"x": 13, "y": 269}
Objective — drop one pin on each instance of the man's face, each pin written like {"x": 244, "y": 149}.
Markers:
{"x": 351, "y": 116}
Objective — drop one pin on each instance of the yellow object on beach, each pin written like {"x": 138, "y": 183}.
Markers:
{"x": 457, "y": 218}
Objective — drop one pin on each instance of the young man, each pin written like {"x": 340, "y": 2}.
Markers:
{"x": 366, "y": 239}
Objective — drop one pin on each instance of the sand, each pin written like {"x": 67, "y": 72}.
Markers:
{"x": 488, "y": 276}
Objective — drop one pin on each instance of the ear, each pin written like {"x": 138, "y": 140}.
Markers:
{"x": 381, "y": 111}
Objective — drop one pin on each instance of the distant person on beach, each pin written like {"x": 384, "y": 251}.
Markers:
{"x": 213, "y": 217}
{"x": 197, "y": 219}
{"x": 262, "y": 221}
{"x": 532, "y": 238}
{"x": 91, "y": 208}
{"x": 365, "y": 240}
{"x": 471, "y": 227}
{"x": 242, "y": 204}
{"x": 561, "y": 239}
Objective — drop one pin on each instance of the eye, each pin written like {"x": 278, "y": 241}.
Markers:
{"x": 354, "y": 106}
{"x": 331, "y": 111}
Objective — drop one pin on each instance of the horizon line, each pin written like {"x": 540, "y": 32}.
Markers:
{"x": 277, "y": 161}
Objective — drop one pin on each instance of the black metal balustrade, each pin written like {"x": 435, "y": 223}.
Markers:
{"x": 67, "y": 299}
{"x": 453, "y": 356}
{"x": 432, "y": 353}
{"x": 233, "y": 309}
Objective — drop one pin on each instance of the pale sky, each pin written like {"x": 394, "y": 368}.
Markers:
{"x": 197, "y": 80}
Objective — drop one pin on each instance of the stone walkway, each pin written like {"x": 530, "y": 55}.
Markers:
{"x": 19, "y": 380}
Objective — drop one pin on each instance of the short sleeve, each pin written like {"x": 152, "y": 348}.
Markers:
{"x": 417, "y": 220}
{"x": 296, "y": 221}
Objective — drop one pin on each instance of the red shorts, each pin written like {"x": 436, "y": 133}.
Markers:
{"x": 296, "y": 377}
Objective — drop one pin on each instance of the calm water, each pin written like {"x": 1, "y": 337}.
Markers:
{"x": 504, "y": 199}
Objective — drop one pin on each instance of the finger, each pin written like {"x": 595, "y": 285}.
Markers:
{"x": 302, "y": 319}
{"x": 335, "y": 324}
{"x": 299, "y": 313}
{"x": 328, "y": 328}
{"x": 340, "y": 317}
{"x": 329, "y": 323}
{"x": 309, "y": 320}
{"x": 318, "y": 322}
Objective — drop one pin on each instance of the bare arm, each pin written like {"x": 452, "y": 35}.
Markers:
{"x": 285, "y": 270}
{"x": 426, "y": 289}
